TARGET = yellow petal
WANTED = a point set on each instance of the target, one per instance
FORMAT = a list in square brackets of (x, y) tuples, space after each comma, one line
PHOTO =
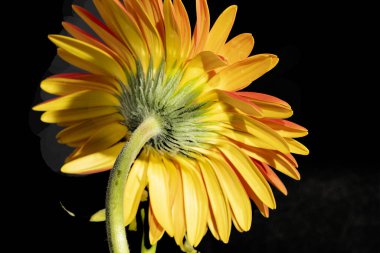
[(238, 48), (117, 18), (249, 172), (218, 204), (201, 64), (156, 231), (172, 35), (100, 61), (195, 201), (82, 35), (159, 192), (134, 188), (240, 103), (296, 147), (221, 29), (285, 128), (66, 84), (149, 31), (99, 216), (81, 99), (178, 211), (239, 75), (259, 204), (274, 159), (85, 129), (249, 125), (77, 114), (96, 162), (154, 9), (271, 176), (233, 189), (106, 35), (104, 138)]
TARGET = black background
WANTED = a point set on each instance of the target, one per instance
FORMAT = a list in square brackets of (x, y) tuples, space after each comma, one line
[(326, 72)]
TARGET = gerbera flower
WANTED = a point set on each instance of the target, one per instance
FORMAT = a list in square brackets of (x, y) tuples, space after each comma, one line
[(207, 148)]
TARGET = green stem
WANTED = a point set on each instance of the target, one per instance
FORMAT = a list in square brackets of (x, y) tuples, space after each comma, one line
[(153, 248), (117, 238)]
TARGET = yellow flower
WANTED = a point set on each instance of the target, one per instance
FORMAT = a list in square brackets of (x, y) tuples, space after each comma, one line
[(217, 146)]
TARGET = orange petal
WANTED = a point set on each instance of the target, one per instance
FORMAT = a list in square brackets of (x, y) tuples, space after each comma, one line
[(240, 102), (239, 75), (184, 27), (106, 35), (271, 176), (202, 26)]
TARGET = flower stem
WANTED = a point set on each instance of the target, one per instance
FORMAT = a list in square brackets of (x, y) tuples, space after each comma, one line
[(153, 248), (117, 238)]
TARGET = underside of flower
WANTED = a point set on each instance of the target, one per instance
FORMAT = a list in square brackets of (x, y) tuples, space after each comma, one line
[(160, 95), (162, 107)]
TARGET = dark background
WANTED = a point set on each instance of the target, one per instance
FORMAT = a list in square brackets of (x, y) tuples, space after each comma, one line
[(326, 72)]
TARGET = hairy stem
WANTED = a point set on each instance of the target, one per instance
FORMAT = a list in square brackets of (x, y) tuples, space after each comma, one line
[(117, 238)]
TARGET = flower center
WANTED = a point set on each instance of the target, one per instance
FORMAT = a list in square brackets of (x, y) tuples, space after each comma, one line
[(158, 94)]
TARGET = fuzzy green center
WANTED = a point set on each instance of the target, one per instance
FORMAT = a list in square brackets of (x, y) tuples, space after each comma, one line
[(158, 94)]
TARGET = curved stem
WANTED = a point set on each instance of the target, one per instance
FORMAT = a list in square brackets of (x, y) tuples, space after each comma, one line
[(117, 238)]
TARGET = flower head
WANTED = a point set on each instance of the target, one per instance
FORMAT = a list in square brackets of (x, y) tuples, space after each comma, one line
[(218, 147)]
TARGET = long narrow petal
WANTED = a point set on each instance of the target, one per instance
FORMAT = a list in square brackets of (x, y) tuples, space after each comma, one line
[(233, 189), (96, 162), (172, 36), (249, 172), (154, 9), (156, 231), (77, 114), (296, 147), (239, 75), (202, 26), (104, 138), (275, 159), (271, 176), (96, 57), (218, 204), (81, 99), (116, 17), (195, 200), (84, 36), (286, 128), (221, 29), (136, 182), (85, 129), (71, 83), (151, 35), (178, 211), (252, 126), (239, 102), (106, 35), (184, 27), (159, 192)]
